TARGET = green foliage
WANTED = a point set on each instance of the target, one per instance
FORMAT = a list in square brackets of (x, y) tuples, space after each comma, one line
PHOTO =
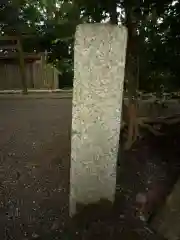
[(160, 51)]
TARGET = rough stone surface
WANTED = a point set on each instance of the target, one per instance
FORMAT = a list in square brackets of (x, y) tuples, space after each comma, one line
[(97, 99)]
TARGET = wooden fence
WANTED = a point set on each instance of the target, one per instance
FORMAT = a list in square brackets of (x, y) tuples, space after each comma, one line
[(39, 75)]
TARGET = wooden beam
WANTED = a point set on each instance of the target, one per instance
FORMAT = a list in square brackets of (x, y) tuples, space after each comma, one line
[(14, 55), (8, 38), (8, 47), (14, 38)]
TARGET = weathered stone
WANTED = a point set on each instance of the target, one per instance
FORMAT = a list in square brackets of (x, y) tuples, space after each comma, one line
[(97, 99)]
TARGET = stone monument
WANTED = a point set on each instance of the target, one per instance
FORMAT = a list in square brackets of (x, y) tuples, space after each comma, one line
[(99, 63)]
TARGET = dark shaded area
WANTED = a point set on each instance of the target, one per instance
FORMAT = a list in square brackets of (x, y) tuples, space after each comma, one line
[(65, 80)]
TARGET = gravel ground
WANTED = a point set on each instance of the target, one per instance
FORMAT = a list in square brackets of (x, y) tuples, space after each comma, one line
[(34, 176), (34, 169)]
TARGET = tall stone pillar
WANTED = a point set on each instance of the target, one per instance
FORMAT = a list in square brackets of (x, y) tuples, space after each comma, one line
[(99, 63)]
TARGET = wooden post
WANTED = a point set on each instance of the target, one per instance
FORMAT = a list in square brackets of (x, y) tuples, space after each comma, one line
[(22, 66), (31, 67)]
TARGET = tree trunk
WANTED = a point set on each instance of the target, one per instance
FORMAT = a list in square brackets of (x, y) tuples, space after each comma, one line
[(131, 75)]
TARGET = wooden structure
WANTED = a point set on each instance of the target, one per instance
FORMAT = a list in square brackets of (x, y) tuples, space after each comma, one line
[(19, 70)]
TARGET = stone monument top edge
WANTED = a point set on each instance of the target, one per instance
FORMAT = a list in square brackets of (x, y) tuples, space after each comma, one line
[(85, 25)]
